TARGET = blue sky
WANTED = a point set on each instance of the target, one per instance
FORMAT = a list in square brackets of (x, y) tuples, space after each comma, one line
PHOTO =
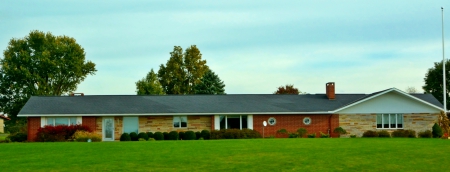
[(254, 46)]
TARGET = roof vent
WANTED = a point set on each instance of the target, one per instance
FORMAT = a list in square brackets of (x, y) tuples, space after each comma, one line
[(330, 90)]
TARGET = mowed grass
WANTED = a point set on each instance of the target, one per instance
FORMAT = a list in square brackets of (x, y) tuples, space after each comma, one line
[(361, 154)]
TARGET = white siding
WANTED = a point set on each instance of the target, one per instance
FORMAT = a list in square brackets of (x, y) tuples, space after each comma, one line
[(391, 102)]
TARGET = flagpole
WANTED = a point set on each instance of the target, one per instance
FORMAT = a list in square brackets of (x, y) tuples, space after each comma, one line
[(443, 63)]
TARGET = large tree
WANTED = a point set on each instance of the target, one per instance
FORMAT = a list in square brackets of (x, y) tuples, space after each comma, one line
[(149, 85), (210, 84), (434, 81), (288, 89), (40, 64), (182, 71)]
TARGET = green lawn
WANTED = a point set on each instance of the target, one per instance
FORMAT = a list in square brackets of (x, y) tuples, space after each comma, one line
[(361, 154)]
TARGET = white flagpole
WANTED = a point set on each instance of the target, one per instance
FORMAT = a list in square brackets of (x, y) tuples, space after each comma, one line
[(443, 63)]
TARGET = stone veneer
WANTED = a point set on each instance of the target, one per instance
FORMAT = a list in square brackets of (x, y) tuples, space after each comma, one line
[(158, 123), (118, 120), (165, 123), (357, 124)]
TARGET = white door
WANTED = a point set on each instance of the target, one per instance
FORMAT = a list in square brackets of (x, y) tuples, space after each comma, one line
[(108, 128)]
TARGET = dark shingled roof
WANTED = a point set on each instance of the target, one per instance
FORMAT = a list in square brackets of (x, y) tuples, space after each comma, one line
[(212, 104)]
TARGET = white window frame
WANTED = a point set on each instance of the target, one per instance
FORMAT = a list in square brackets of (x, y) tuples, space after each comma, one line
[(389, 121), (44, 120), (179, 121), (240, 121)]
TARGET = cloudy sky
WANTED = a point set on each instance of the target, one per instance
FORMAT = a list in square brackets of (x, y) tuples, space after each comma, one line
[(254, 46)]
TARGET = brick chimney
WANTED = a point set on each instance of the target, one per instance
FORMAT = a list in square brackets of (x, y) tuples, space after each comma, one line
[(330, 90), (74, 94)]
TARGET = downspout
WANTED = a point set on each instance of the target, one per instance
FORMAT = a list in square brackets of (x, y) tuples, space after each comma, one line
[(329, 125)]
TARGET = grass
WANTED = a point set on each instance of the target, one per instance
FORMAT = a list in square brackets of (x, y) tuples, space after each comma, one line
[(231, 155), (3, 136)]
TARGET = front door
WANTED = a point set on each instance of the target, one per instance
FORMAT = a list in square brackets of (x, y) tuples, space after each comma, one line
[(108, 129)]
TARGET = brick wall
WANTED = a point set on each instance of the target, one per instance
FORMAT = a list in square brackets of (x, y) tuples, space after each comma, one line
[(165, 123), (319, 123), (34, 123), (357, 124), (89, 121)]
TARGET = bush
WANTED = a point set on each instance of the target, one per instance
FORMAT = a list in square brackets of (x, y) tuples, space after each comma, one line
[(181, 135), (410, 133), (190, 135), (339, 130), (141, 139), (313, 135), (134, 136), (323, 135), (352, 136), (370, 133), (150, 135), (404, 133), (301, 132), (59, 133), (198, 134), (293, 135), (235, 134), (17, 128), (166, 135), (17, 137), (151, 139), (158, 136), (84, 136), (282, 131), (426, 134), (173, 135), (143, 135), (437, 131), (206, 134), (384, 133), (125, 137)]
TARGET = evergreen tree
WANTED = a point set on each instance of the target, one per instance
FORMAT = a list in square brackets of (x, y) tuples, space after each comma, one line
[(210, 84)]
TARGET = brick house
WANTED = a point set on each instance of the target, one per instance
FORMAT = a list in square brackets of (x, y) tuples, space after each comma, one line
[(110, 116)]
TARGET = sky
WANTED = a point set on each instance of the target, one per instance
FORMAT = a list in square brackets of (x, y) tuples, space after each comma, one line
[(253, 46)]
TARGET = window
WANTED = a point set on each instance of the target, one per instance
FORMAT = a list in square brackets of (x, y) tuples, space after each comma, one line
[(61, 121), (272, 121), (130, 124), (179, 121), (390, 121), (233, 121), (307, 120)]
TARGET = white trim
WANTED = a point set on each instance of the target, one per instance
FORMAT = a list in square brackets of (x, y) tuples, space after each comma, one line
[(179, 114), (382, 93), (43, 122), (79, 120), (216, 122), (250, 122), (103, 129)]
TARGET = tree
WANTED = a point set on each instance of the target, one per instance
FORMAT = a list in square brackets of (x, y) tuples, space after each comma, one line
[(149, 85), (433, 81), (288, 89), (40, 64), (182, 71), (210, 84), (411, 90)]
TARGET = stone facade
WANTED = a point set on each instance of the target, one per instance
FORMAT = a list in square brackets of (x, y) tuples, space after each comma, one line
[(118, 129), (155, 123), (357, 124), (165, 123), (2, 128)]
